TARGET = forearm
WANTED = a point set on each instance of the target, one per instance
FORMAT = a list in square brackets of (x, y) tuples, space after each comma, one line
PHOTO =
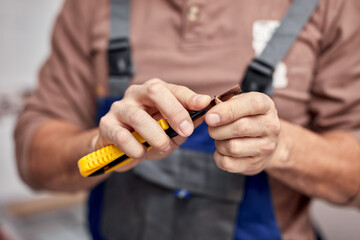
[(53, 155), (325, 166)]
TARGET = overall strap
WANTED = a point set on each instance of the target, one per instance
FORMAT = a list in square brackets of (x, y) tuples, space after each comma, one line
[(121, 68), (260, 71), (120, 73), (256, 206), (256, 218)]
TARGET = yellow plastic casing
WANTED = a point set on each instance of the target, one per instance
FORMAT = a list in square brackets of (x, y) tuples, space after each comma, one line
[(102, 157)]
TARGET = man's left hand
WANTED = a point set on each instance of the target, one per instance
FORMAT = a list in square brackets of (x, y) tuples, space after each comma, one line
[(246, 130)]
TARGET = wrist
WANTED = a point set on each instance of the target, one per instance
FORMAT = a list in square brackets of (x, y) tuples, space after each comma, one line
[(282, 154)]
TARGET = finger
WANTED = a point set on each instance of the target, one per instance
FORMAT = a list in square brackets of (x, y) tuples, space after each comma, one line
[(153, 89), (188, 98), (245, 147), (170, 107), (121, 137), (172, 102), (254, 126), (247, 165), (243, 105), (178, 140), (174, 144), (129, 165), (146, 126)]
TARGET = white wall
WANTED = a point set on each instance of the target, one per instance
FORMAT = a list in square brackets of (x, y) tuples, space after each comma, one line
[(337, 222), (25, 27)]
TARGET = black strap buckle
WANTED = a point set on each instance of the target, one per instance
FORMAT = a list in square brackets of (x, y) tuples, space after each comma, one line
[(258, 78), (119, 56)]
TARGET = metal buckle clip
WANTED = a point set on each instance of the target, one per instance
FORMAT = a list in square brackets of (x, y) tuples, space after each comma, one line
[(258, 78), (119, 56)]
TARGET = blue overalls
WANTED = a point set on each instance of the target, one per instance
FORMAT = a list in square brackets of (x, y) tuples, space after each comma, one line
[(255, 217)]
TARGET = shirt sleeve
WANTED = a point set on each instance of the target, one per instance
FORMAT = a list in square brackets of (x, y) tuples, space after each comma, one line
[(335, 103), (66, 81)]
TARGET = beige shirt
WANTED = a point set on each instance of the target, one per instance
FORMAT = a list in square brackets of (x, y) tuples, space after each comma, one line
[(207, 49)]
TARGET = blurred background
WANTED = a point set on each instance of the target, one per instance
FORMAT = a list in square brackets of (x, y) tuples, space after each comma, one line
[(25, 29)]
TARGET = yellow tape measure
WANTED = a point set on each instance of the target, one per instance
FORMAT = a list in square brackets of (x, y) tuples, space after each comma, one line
[(110, 157)]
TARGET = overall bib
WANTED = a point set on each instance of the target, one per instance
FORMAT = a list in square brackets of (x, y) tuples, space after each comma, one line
[(186, 196)]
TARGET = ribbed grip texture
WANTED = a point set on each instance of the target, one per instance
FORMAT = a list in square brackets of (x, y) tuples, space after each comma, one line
[(102, 157), (98, 159)]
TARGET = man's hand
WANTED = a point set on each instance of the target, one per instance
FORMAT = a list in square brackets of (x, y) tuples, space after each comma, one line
[(139, 111), (246, 129)]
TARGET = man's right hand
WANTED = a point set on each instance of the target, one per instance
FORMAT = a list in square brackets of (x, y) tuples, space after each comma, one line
[(139, 111)]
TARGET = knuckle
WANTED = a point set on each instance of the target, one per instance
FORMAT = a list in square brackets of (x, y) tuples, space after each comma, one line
[(139, 153), (162, 142), (254, 166), (259, 102), (275, 127), (241, 167), (253, 172), (121, 136), (154, 88), (230, 113), (131, 89), (255, 102), (226, 163), (104, 122), (227, 112), (254, 161), (237, 128), (115, 106), (178, 90), (219, 160), (211, 132), (153, 80), (266, 102), (219, 146), (178, 114), (258, 168), (136, 117), (232, 147), (272, 127), (241, 127), (268, 148), (183, 91)]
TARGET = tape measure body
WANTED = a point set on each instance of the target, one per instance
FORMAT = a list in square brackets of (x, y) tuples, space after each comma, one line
[(110, 157)]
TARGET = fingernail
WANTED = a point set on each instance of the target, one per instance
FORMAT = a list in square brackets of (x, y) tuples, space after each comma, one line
[(213, 119), (186, 128)]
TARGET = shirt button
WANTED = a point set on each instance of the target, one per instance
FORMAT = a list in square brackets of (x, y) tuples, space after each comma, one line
[(193, 13)]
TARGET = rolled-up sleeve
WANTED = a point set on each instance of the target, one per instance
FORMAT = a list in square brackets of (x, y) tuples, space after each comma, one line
[(335, 103), (66, 83)]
